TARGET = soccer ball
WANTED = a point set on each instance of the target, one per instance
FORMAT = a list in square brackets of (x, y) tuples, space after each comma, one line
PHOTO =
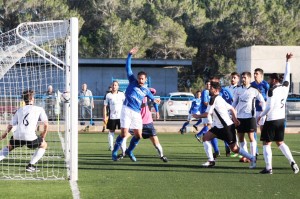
[(65, 97)]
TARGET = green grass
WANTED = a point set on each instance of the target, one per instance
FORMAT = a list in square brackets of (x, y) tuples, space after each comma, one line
[(181, 177)]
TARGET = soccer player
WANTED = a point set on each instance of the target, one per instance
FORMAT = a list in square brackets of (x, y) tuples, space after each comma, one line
[(263, 87), (195, 108), (114, 100), (130, 114), (86, 101), (107, 110), (244, 103), (207, 121), (273, 129), (148, 130), (26, 119), (223, 127)]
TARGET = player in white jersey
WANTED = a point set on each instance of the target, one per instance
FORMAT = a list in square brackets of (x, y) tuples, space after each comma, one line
[(244, 103), (273, 129), (222, 127), (114, 100), (26, 119)]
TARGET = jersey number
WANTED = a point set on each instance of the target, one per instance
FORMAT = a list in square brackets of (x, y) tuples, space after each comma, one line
[(25, 121), (282, 102)]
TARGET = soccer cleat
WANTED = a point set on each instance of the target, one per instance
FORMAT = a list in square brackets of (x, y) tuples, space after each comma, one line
[(131, 156), (181, 131), (195, 127), (164, 159), (209, 164), (295, 167), (120, 156), (266, 171), (253, 163), (244, 160), (198, 138), (32, 168), (110, 148), (234, 155), (215, 155)]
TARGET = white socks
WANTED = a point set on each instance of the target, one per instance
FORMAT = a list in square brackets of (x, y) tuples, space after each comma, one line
[(37, 155), (253, 146), (4, 153), (286, 152), (267, 151), (111, 140), (159, 150), (243, 145), (123, 146), (208, 150)]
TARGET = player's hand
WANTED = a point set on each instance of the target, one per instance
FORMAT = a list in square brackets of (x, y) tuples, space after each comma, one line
[(3, 136), (157, 115), (133, 51), (157, 101), (195, 116), (258, 119), (237, 122), (289, 56)]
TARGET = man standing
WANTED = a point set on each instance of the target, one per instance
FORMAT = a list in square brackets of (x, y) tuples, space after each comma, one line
[(50, 102), (263, 86), (114, 100), (130, 114), (244, 103), (223, 127), (86, 101), (273, 129), (26, 119)]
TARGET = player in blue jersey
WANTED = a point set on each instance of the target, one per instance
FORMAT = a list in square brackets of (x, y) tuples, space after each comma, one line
[(130, 114), (195, 109), (263, 86), (205, 98)]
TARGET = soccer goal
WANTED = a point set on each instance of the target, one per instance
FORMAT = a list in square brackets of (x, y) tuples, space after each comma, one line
[(39, 55)]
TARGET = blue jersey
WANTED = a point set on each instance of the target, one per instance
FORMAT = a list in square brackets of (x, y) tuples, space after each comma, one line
[(204, 99), (135, 93), (263, 87), (226, 94), (195, 107)]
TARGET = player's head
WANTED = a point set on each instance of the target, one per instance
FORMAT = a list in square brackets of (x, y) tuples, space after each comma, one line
[(207, 84), (274, 78), (115, 86), (258, 75), (50, 88), (198, 94), (235, 78), (152, 90), (84, 87), (28, 96), (215, 88), (142, 78), (215, 79), (246, 78)]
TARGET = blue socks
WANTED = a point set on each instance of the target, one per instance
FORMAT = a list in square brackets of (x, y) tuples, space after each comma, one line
[(185, 124), (214, 143), (198, 122), (117, 146), (133, 142), (203, 131)]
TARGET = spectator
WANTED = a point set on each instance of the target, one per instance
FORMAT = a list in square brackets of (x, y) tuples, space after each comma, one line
[(86, 102)]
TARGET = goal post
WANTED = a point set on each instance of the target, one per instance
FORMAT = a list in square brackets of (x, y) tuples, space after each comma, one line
[(37, 56)]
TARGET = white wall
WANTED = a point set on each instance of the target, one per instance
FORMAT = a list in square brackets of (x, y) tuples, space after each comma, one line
[(271, 59)]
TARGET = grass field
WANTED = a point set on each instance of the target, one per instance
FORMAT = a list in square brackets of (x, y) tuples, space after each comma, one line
[(181, 177)]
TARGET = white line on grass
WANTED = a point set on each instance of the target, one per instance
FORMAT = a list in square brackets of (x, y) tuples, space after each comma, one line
[(73, 184), (295, 151)]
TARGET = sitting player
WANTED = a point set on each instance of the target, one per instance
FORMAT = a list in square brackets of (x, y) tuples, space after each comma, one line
[(26, 119)]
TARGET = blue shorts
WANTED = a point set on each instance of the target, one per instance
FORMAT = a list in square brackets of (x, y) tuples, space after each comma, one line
[(147, 132)]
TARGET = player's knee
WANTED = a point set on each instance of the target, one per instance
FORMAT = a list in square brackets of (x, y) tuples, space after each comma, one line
[(44, 145)]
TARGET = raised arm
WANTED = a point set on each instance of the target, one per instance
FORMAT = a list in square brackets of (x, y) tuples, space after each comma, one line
[(287, 68), (128, 61)]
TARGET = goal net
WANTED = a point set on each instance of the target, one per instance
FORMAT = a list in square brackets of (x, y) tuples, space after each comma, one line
[(38, 56)]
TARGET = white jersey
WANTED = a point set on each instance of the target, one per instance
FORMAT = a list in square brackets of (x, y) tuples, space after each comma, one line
[(26, 119), (115, 102), (276, 99), (244, 101), (232, 89), (222, 107)]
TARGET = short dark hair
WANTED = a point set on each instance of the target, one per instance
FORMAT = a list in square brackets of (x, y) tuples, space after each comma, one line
[(142, 73), (27, 96), (235, 73), (115, 81), (214, 78), (246, 74), (274, 76), (259, 70), (215, 85), (207, 81), (198, 91)]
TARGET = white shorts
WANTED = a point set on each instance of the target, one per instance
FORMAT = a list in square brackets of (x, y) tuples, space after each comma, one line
[(131, 119), (207, 120), (262, 120), (190, 117)]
